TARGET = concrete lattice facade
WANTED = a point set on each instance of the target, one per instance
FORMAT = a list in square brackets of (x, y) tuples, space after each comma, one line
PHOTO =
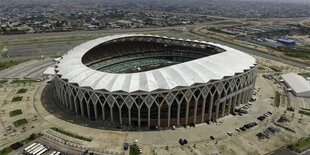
[(208, 87), (199, 101)]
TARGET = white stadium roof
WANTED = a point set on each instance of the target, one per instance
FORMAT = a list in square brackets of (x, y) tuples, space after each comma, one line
[(299, 85), (201, 70)]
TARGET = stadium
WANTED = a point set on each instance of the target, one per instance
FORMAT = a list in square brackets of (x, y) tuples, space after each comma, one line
[(149, 80)]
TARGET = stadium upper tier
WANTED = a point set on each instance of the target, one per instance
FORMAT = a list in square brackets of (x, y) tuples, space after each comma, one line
[(212, 62)]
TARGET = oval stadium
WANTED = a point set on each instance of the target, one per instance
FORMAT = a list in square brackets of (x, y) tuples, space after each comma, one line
[(136, 80)]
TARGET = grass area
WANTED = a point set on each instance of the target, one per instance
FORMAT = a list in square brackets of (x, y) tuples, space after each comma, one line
[(1, 47), (304, 112), (5, 65), (17, 98), (21, 91), (299, 145), (134, 150), (177, 31), (296, 51), (20, 122), (277, 99), (6, 151), (305, 75), (194, 38), (290, 109), (71, 135), (260, 68), (15, 112), (3, 81), (22, 81), (305, 109), (155, 32), (48, 41), (299, 30), (30, 139)]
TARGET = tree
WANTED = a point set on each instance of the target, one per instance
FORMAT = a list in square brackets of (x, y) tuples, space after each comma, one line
[(32, 136)]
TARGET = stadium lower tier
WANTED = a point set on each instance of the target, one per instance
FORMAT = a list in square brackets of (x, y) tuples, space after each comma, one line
[(179, 106)]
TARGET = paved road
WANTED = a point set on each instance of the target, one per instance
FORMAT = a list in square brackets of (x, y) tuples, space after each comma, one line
[(38, 49), (31, 69), (250, 51)]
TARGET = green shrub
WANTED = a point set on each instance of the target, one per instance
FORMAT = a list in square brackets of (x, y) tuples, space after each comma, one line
[(21, 91), (15, 112), (305, 109), (277, 99), (17, 98), (71, 135), (134, 150), (22, 81), (290, 109), (304, 112), (6, 151), (3, 81), (31, 138), (20, 122), (299, 145), (260, 68)]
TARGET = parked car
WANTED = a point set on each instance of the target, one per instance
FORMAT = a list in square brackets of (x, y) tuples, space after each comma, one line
[(135, 142), (261, 118), (237, 129), (229, 133), (212, 138), (183, 141), (173, 127), (260, 135), (126, 145)]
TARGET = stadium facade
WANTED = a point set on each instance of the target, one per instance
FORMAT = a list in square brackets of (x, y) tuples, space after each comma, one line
[(150, 80)]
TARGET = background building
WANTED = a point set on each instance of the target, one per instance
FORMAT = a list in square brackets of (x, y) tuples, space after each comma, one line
[(297, 84)]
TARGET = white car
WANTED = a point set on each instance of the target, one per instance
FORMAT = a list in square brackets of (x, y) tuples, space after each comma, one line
[(237, 129), (229, 133), (135, 142), (140, 151), (173, 127)]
